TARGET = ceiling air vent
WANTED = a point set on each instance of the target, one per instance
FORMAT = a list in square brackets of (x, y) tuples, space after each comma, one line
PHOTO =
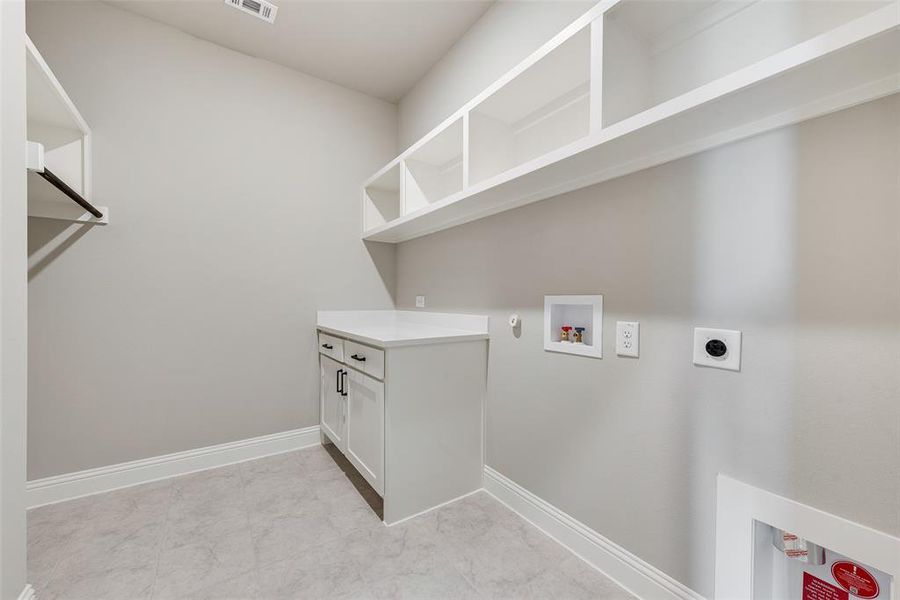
[(258, 8)]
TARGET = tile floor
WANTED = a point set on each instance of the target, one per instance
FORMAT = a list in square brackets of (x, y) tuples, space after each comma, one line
[(291, 526)]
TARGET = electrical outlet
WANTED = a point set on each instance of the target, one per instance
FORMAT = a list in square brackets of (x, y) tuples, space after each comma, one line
[(717, 348), (420, 301), (628, 338)]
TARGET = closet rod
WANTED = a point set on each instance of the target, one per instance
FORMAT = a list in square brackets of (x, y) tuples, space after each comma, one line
[(65, 189)]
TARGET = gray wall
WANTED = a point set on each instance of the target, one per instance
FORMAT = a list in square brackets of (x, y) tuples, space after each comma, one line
[(231, 182), (13, 299), (792, 237)]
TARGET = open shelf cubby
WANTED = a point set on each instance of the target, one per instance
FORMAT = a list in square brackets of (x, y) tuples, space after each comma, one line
[(574, 311), (434, 170), (636, 83), (544, 108), (381, 198), (656, 50)]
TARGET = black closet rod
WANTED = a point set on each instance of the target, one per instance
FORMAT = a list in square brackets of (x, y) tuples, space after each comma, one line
[(65, 189)]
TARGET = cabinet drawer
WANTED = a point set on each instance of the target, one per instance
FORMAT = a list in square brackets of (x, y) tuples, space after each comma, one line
[(331, 346), (365, 358)]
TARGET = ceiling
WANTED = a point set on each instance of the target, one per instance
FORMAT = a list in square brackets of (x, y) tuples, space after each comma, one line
[(379, 47)]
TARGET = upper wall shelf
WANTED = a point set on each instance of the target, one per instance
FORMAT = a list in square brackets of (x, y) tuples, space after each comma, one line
[(629, 85), (55, 123)]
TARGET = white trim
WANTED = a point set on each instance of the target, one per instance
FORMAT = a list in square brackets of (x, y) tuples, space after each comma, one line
[(635, 575), (739, 504), (27, 593), (59, 488)]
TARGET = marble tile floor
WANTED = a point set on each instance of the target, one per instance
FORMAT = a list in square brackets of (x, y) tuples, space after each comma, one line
[(291, 526)]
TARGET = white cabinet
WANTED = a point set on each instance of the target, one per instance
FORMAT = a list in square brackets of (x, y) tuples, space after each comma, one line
[(365, 428), (352, 407), (404, 404), (333, 405)]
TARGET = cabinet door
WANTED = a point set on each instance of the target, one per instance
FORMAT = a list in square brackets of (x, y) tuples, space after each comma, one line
[(365, 428), (332, 388)]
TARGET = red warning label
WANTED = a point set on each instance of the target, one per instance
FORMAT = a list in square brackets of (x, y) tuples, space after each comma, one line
[(855, 579), (817, 589)]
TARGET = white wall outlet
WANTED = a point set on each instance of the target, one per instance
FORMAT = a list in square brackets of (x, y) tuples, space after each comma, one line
[(628, 338), (420, 301), (717, 348)]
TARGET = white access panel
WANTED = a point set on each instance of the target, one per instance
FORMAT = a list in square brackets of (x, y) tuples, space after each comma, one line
[(740, 505)]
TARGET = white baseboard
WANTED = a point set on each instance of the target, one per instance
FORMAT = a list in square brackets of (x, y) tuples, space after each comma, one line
[(58, 488), (27, 593), (637, 576)]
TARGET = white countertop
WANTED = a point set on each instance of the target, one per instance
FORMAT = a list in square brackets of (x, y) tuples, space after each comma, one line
[(388, 328)]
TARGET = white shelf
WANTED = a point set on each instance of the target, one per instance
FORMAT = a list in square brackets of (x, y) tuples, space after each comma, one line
[(54, 121), (546, 107), (434, 170), (611, 95), (381, 197), (655, 51)]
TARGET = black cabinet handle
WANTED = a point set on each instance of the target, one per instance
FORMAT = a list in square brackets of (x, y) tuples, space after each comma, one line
[(359, 358), (343, 383), (328, 346), (337, 381)]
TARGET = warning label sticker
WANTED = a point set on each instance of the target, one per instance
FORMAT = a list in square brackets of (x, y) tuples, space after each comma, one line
[(817, 589), (855, 579)]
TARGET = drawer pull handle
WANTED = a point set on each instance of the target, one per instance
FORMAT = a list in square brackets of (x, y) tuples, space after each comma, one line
[(359, 358), (337, 381), (343, 382), (328, 346)]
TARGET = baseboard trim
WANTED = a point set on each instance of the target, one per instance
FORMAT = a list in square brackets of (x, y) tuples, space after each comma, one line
[(59, 488), (27, 593), (637, 576)]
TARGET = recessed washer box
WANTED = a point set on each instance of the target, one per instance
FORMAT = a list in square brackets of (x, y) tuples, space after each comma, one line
[(585, 311)]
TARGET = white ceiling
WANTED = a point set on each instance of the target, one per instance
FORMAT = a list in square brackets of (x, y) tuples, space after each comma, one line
[(380, 47)]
